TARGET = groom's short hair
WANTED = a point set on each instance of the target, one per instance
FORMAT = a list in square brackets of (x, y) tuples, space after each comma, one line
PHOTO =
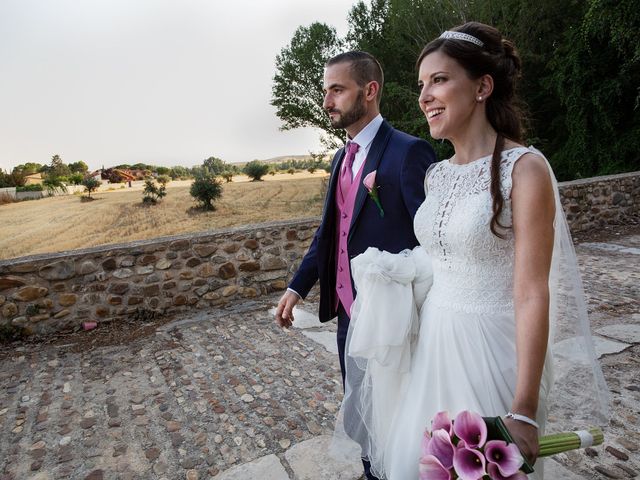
[(364, 68)]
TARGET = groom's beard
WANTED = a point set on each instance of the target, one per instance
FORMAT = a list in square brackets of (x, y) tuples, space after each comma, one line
[(351, 116)]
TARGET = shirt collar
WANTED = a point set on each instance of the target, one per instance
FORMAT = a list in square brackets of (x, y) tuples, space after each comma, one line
[(368, 133)]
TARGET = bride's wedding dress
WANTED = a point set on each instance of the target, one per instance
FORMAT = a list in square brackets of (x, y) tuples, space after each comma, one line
[(458, 351)]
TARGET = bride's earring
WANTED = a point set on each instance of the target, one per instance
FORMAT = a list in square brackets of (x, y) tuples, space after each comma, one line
[(479, 99)]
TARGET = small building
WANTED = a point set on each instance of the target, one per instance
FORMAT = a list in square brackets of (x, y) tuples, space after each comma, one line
[(33, 179)]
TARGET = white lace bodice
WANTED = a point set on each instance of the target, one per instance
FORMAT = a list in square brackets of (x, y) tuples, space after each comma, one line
[(472, 268)]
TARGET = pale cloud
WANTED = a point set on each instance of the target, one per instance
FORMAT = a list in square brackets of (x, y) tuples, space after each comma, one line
[(154, 81)]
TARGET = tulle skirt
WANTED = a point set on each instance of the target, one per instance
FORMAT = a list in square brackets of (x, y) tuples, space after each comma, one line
[(462, 361)]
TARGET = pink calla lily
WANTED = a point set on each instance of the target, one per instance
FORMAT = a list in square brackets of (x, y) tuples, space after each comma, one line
[(494, 474), (426, 439), (505, 456), (469, 464), (470, 427), (441, 420), (441, 447), (370, 181), (430, 468)]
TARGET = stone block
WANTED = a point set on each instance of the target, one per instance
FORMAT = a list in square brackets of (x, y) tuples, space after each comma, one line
[(109, 264), (227, 270), (134, 300), (193, 262), (19, 321), (86, 267), (311, 459), (205, 250), (9, 310), (229, 290), (207, 270), (23, 268), (251, 244), (163, 264), (11, 282), (180, 300), (67, 299), (151, 290), (265, 468), (250, 292), (188, 275), (122, 273), (30, 293), (144, 270), (269, 262), (118, 288), (61, 270), (114, 300), (147, 259), (62, 314), (242, 257), (179, 245), (231, 247), (249, 266)]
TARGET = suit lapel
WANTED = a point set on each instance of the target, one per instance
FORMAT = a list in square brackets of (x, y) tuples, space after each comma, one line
[(329, 201), (371, 163)]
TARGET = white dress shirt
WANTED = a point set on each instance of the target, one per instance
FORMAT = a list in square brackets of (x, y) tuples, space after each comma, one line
[(364, 139)]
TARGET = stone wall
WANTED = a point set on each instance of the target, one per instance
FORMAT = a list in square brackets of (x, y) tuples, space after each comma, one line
[(53, 292), (594, 202)]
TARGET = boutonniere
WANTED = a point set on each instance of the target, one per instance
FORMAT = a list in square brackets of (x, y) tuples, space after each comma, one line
[(370, 184)]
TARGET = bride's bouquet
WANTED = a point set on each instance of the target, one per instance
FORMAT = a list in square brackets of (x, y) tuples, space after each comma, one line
[(472, 448)]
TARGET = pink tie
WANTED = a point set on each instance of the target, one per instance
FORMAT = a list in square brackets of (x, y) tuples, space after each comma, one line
[(346, 177)]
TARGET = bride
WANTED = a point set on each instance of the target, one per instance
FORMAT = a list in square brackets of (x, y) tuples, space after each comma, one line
[(499, 251)]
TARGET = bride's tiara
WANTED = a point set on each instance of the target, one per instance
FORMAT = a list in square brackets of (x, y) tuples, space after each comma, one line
[(462, 36)]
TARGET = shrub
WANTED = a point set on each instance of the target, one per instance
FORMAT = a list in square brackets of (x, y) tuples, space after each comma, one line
[(256, 170), (228, 176), (91, 184), (153, 193), (163, 180), (35, 187), (291, 171), (206, 188)]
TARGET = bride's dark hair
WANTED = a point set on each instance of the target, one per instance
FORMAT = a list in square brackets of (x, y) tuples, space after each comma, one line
[(498, 58)]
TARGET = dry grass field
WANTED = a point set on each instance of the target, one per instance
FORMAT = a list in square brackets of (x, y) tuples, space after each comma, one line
[(65, 223)]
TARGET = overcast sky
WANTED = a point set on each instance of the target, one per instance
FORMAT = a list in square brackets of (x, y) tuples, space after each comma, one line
[(166, 82)]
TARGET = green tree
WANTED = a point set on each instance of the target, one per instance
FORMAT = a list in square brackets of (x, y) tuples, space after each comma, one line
[(297, 85), (28, 168), (256, 170), (596, 75), (206, 189), (91, 184), (58, 168), (214, 165), (153, 193), (53, 184), (163, 170), (75, 178), (78, 167), (179, 172)]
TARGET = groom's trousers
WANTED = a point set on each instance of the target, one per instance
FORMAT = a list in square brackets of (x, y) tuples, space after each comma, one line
[(341, 337)]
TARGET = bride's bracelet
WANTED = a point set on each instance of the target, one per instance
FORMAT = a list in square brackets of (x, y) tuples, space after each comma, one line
[(522, 418)]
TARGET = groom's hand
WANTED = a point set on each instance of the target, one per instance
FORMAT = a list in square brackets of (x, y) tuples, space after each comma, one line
[(284, 312)]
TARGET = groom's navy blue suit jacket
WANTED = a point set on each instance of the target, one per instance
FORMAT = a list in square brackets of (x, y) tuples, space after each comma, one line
[(400, 162)]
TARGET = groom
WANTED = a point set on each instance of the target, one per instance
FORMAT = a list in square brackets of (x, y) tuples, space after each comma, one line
[(351, 220)]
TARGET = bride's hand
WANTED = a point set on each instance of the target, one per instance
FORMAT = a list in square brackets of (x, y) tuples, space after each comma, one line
[(526, 437)]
